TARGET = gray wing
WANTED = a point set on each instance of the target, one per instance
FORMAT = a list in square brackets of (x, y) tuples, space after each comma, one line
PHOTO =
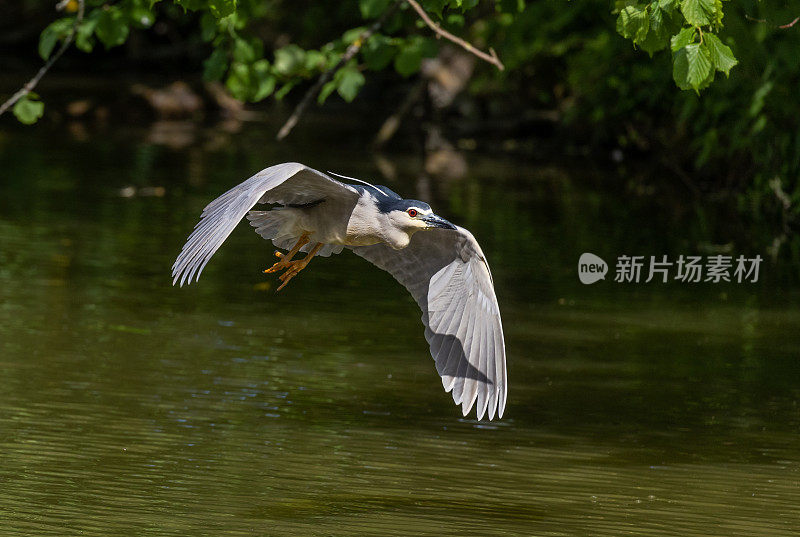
[(285, 183), (447, 274)]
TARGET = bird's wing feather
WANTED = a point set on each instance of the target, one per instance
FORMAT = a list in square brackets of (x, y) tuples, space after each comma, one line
[(447, 274), (288, 183)]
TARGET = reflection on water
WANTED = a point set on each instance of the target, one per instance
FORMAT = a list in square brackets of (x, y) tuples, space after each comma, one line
[(130, 407)]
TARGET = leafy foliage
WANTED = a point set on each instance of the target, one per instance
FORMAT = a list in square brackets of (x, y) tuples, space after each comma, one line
[(52, 34), (28, 109), (112, 27), (238, 57), (410, 54), (687, 27)]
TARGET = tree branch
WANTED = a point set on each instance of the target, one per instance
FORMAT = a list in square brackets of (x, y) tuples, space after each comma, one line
[(765, 21), (491, 57), (27, 88), (327, 75)]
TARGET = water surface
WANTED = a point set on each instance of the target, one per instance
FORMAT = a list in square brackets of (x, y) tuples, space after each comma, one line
[(130, 407)]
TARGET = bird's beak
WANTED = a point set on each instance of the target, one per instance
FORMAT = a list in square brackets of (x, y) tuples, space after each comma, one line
[(437, 221)]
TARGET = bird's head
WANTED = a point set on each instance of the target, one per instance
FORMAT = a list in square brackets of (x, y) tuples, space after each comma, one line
[(413, 215)]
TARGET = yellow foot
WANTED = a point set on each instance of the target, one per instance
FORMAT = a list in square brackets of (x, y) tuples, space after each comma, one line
[(294, 267), (285, 260), (280, 265)]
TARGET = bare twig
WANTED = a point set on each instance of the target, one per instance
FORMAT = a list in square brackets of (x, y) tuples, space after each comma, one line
[(765, 21), (491, 57), (327, 75), (27, 88), (753, 19)]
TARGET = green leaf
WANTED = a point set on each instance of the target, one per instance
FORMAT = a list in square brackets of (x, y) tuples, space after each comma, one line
[(112, 29), (290, 59), (685, 37), (658, 36), (721, 54), (264, 80), (27, 110), (247, 51), (350, 81), (454, 19), (692, 67), (700, 65), (760, 98), (759, 125), (286, 88), (208, 27), (56, 30), (47, 42), (350, 36), (332, 59), (633, 23), (139, 15), (718, 13), (252, 82), (408, 61), (372, 8), (215, 65), (239, 82), (84, 37), (221, 8), (435, 7), (378, 52), (315, 60), (698, 12), (326, 90), (668, 5)]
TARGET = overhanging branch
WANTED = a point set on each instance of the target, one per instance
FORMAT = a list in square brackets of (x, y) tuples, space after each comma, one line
[(327, 75), (491, 57), (31, 84)]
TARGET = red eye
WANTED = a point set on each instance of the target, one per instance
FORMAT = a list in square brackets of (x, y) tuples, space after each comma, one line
[(412, 213)]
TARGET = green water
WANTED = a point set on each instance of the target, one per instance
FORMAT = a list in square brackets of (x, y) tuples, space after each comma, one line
[(129, 407)]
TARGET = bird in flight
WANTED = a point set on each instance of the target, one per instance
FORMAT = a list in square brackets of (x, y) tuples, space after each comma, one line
[(439, 263)]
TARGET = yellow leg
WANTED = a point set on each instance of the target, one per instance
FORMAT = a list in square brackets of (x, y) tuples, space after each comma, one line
[(286, 260), (296, 266)]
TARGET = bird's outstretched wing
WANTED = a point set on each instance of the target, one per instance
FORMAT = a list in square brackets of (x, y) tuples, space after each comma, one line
[(288, 183), (447, 274)]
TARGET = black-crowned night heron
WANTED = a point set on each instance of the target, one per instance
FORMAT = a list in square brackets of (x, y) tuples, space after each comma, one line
[(442, 267)]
